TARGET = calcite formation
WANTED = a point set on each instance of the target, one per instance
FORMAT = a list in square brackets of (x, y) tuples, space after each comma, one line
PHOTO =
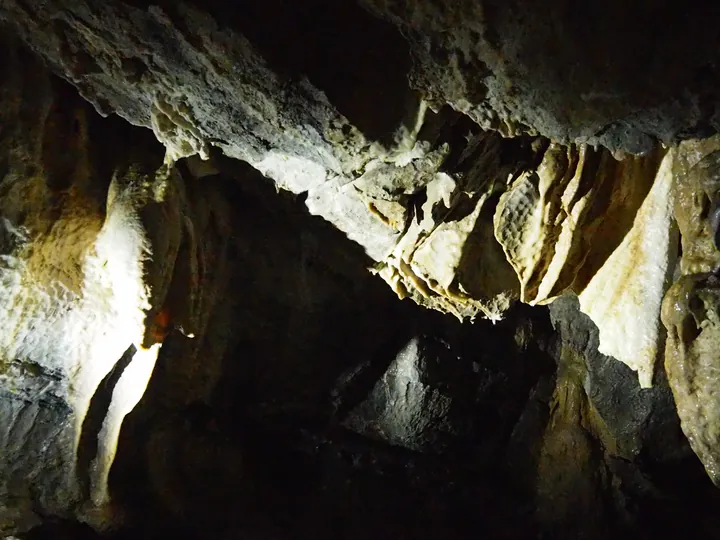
[(496, 173), (73, 296), (586, 223), (442, 221), (690, 306), (209, 87), (100, 261), (690, 315), (578, 221)]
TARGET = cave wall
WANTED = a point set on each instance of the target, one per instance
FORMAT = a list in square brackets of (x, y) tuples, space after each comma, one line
[(438, 195), (451, 155), (70, 307)]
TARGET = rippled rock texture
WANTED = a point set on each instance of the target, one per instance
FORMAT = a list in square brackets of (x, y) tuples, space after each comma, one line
[(172, 311), (690, 306), (442, 205), (95, 246)]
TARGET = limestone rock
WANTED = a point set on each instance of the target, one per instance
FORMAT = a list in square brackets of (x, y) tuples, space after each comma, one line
[(512, 167), (625, 295), (416, 401), (635, 419), (423, 209), (691, 364), (197, 84), (537, 219), (51, 235), (695, 172), (424, 265), (572, 477), (447, 257), (690, 306), (103, 255), (587, 223), (543, 68)]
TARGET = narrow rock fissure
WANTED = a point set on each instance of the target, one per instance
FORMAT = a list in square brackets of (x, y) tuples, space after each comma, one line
[(99, 405)]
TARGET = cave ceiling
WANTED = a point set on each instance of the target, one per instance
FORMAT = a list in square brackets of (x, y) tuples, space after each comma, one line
[(179, 181)]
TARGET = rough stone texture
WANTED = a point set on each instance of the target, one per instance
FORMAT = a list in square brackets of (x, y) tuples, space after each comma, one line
[(265, 324), (582, 221), (598, 422), (559, 222), (433, 205), (102, 258), (26, 424), (447, 257), (52, 218), (690, 306), (695, 186), (440, 393), (198, 83), (691, 363), (635, 418), (412, 405), (420, 194), (624, 296), (619, 74), (572, 476)]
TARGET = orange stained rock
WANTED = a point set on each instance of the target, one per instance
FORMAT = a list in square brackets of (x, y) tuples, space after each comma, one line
[(161, 325)]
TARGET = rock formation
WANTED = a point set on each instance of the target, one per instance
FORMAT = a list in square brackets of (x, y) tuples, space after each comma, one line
[(208, 214)]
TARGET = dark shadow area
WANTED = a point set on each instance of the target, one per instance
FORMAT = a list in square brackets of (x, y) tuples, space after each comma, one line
[(63, 156), (265, 455), (61, 530), (359, 61), (87, 155), (685, 503)]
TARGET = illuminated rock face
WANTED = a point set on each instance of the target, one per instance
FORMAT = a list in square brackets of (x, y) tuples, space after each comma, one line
[(690, 306), (476, 172), (73, 302), (583, 222), (73, 298), (436, 205)]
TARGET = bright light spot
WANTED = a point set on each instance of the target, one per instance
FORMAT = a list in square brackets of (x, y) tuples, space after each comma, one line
[(292, 173), (73, 301), (127, 394)]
